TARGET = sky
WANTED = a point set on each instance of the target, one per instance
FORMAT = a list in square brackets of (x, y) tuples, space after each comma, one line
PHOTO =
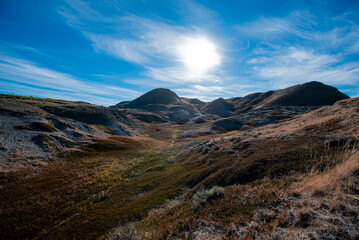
[(108, 51)]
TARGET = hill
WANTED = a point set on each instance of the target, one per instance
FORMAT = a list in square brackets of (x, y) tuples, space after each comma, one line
[(312, 94), (160, 96), (218, 107), (35, 130)]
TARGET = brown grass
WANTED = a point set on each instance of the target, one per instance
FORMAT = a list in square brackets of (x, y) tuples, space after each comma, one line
[(339, 178)]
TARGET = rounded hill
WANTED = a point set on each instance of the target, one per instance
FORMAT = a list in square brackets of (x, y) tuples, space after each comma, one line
[(219, 107), (157, 96)]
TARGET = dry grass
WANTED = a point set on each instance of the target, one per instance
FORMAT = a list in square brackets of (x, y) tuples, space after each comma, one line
[(335, 180), (42, 126), (277, 206), (270, 190), (89, 192)]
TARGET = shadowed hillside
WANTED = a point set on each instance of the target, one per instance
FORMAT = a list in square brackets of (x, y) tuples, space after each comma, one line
[(154, 98), (219, 107), (307, 94)]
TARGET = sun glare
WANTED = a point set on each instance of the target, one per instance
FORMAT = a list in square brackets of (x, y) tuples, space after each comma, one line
[(199, 54)]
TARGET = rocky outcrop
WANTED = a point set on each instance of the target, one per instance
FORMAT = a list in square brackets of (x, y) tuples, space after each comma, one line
[(32, 132)]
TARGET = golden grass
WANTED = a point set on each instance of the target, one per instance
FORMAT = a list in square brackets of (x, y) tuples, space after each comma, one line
[(336, 179)]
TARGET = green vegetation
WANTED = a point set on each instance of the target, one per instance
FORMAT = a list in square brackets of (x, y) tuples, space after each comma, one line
[(104, 129), (118, 181), (20, 97), (238, 207), (203, 196), (91, 191), (149, 132)]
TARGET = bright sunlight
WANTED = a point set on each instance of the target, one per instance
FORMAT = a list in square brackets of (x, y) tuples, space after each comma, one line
[(199, 54)]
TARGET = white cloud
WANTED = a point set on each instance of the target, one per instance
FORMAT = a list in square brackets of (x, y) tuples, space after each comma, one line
[(297, 23), (132, 51), (292, 65), (152, 44), (203, 92), (293, 49), (279, 51), (26, 72)]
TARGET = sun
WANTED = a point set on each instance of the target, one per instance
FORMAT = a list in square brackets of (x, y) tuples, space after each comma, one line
[(199, 54)]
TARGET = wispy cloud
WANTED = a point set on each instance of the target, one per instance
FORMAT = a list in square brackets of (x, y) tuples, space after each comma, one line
[(204, 92), (291, 65), (20, 71), (209, 92), (150, 43), (293, 49), (297, 23), (280, 51), (304, 27)]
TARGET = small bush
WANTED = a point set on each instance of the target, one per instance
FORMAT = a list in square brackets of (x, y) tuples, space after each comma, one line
[(124, 232), (203, 196), (171, 160), (100, 196)]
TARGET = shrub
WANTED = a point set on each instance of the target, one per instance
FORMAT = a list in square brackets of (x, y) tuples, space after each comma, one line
[(100, 196), (171, 160), (202, 196), (124, 232)]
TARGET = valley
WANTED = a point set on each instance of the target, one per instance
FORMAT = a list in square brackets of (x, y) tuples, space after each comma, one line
[(277, 165)]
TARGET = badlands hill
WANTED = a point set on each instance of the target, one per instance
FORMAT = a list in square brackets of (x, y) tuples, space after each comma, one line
[(219, 107), (35, 130), (307, 94), (152, 100)]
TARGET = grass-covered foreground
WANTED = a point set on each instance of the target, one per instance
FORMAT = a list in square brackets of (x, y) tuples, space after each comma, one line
[(82, 197), (235, 188)]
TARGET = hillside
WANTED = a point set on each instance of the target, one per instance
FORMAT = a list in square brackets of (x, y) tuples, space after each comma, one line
[(158, 96), (218, 107), (309, 94), (34, 131), (41, 128), (277, 165)]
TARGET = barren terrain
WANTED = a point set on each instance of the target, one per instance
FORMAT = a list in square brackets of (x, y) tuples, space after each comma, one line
[(259, 167)]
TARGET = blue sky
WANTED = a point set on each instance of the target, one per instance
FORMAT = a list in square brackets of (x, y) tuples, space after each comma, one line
[(107, 51)]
